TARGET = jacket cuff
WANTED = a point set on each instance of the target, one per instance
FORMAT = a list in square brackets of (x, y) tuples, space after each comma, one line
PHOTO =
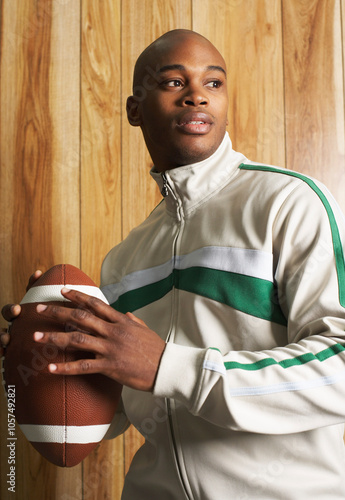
[(179, 373)]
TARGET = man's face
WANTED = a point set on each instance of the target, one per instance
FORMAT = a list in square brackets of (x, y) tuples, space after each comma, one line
[(183, 116)]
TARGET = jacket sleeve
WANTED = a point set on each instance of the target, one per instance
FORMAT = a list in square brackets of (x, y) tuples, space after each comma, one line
[(292, 388)]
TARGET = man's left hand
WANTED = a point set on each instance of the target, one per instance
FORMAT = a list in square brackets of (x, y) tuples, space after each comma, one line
[(125, 348)]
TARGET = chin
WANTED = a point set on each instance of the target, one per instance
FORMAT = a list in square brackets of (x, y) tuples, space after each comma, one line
[(195, 151)]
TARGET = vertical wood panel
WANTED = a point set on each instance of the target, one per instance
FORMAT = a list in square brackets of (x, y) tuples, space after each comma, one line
[(142, 23), (101, 189), (248, 35), (100, 132), (314, 91), (39, 103)]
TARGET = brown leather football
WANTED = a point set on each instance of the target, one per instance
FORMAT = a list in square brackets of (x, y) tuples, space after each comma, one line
[(64, 417)]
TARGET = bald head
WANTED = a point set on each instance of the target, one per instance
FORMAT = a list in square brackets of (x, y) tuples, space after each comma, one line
[(166, 43), (179, 99)]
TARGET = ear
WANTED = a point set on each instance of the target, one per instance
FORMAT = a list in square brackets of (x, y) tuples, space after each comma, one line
[(132, 108)]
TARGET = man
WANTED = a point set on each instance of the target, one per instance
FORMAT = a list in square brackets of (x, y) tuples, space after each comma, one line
[(237, 381)]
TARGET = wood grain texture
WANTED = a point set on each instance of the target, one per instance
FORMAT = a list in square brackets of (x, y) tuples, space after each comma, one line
[(248, 35), (100, 132), (314, 91), (64, 105), (101, 217), (39, 103)]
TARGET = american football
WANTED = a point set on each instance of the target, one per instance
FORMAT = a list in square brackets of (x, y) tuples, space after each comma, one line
[(63, 417)]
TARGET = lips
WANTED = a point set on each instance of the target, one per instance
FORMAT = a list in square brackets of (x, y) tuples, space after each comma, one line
[(195, 123)]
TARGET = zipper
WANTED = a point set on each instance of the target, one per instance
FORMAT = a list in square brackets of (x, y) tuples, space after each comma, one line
[(164, 190), (173, 440)]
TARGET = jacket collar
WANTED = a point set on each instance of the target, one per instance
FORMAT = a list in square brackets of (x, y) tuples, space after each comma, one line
[(189, 186)]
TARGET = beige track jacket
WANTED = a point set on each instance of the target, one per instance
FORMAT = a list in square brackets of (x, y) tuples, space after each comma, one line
[(241, 270)]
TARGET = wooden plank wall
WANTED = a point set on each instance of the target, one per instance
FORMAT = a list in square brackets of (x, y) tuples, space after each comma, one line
[(74, 175)]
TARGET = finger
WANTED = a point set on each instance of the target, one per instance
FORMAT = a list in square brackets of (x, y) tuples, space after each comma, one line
[(10, 311), (34, 277), (72, 340), (75, 318), (135, 318), (93, 304), (4, 339), (80, 367)]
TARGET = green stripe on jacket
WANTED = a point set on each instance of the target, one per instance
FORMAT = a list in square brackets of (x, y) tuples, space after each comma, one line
[(253, 296), (337, 244)]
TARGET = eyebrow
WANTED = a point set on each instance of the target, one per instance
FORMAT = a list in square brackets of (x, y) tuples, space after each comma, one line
[(180, 67)]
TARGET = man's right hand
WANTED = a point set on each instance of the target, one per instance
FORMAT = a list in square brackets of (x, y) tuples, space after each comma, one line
[(11, 312)]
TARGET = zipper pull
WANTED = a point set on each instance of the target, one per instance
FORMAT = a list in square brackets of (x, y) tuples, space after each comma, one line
[(164, 191)]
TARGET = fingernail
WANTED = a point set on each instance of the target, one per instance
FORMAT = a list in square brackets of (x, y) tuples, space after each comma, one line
[(65, 290), (52, 367), (38, 335), (41, 308)]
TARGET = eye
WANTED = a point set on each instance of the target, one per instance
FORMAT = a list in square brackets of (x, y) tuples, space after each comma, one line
[(214, 84), (172, 83)]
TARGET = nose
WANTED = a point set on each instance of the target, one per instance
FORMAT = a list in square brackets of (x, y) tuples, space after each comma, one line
[(195, 97)]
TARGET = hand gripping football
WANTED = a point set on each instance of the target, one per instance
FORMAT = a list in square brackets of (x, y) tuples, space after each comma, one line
[(64, 417)]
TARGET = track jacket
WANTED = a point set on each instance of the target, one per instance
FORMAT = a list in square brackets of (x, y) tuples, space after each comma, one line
[(241, 270)]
